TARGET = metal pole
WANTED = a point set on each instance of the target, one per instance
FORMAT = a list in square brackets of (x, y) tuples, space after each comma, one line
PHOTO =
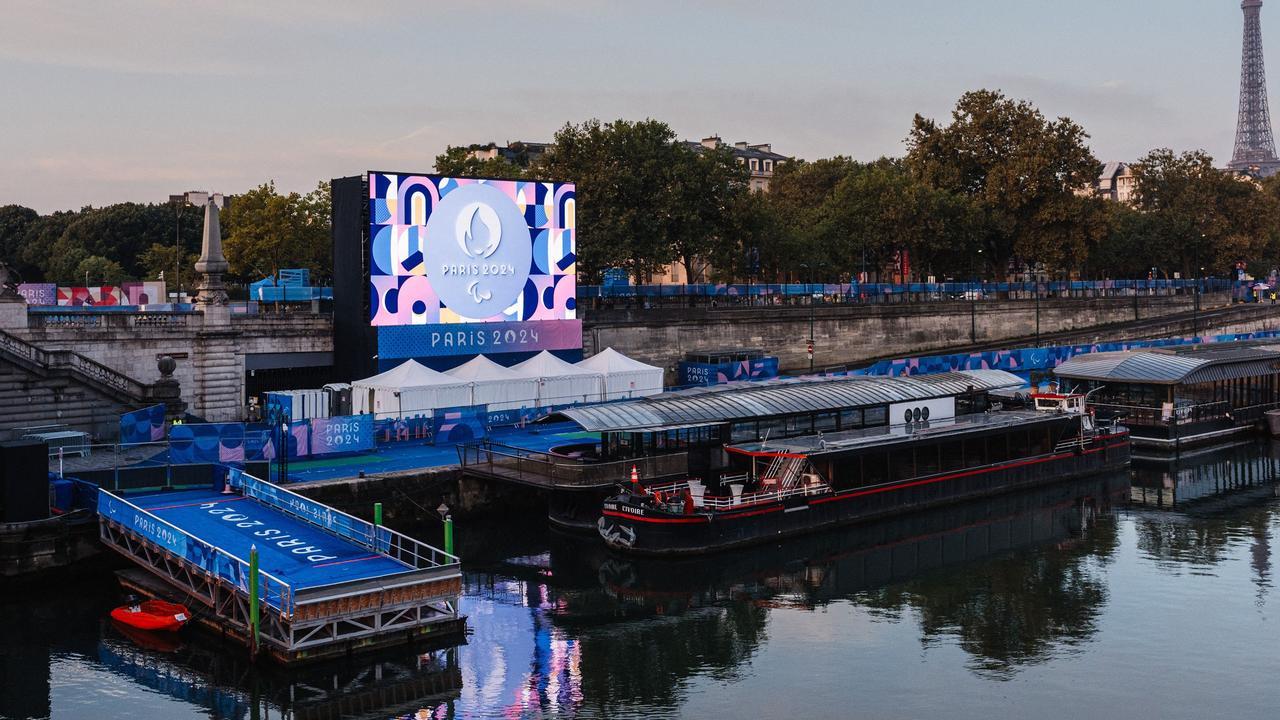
[(448, 534), (177, 252), (377, 513), (253, 598)]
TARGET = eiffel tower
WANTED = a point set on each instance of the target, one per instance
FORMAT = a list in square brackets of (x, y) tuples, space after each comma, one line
[(1255, 152)]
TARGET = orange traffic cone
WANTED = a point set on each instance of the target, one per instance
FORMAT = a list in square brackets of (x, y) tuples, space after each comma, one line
[(635, 477)]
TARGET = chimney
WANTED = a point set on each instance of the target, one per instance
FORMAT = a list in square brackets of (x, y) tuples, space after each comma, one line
[(766, 147), (740, 145), (711, 143)]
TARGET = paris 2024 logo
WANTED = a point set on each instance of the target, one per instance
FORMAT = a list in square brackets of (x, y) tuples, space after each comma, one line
[(478, 251)]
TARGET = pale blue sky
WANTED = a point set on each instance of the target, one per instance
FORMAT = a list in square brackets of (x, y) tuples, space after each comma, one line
[(134, 99)]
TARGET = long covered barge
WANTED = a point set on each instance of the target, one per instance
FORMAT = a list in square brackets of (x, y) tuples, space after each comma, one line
[(930, 456)]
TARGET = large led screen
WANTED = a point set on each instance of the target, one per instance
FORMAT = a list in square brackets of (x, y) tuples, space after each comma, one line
[(460, 265)]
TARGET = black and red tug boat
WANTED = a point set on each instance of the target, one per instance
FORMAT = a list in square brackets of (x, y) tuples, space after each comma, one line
[(802, 484)]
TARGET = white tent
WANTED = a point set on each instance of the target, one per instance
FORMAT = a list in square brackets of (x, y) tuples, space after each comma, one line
[(499, 387), (624, 377), (408, 389), (561, 382)]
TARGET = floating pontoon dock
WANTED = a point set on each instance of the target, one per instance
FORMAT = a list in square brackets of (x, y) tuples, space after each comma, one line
[(328, 583)]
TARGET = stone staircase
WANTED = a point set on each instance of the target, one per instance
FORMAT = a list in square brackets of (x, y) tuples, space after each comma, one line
[(63, 387)]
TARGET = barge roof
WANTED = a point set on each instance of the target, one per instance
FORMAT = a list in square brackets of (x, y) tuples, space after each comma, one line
[(1175, 366), (715, 404), (846, 440)]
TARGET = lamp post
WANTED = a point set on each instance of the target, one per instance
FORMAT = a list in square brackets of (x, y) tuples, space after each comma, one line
[(448, 527), (177, 201), (809, 275)]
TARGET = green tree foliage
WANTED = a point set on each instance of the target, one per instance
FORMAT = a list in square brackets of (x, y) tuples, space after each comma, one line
[(643, 199), (96, 270), (264, 231), (15, 220), (1020, 170), (158, 262), (1203, 220), (458, 162)]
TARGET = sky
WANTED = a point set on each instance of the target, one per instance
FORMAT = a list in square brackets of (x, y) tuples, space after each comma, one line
[(133, 100)]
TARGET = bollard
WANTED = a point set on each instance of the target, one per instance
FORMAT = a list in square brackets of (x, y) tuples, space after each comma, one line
[(377, 514), (448, 534), (253, 598)]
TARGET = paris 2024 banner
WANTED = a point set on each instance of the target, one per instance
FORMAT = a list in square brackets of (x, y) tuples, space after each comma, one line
[(461, 266)]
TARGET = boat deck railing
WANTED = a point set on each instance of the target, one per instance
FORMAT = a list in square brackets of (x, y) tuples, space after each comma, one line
[(377, 538), (728, 502)]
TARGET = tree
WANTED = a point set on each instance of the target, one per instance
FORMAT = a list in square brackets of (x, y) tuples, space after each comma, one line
[(15, 220), (96, 270), (459, 162), (264, 231), (706, 189), (1204, 220), (623, 175), (158, 261), (1017, 167), (797, 191)]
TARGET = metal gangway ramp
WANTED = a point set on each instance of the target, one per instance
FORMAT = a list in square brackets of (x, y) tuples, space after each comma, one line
[(328, 583)]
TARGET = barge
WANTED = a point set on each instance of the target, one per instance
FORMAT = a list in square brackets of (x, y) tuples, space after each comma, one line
[(803, 484), (1177, 397)]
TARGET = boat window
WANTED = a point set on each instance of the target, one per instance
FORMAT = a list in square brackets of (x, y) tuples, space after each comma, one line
[(952, 455), (743, 431), (1018, 444), (998, 448), (927, 462), (825, 422), (975, 452), (875, 468), (799, 424), (849, 472), (1043, 439), (875, 416), (773, 428), (850, 419), (902, 466)]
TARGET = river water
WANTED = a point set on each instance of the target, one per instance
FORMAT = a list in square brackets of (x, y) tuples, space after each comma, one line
[(1147, 594)]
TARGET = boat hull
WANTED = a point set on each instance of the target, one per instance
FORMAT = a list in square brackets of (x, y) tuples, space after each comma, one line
[(635, 527)]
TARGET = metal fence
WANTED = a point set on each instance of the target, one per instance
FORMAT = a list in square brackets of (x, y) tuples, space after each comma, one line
[(606, 296)]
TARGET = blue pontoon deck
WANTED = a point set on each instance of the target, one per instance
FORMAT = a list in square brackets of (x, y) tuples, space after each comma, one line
[(328, 582)]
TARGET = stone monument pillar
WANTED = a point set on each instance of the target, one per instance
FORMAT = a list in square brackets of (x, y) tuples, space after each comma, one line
[(216, 359), (211, 294)]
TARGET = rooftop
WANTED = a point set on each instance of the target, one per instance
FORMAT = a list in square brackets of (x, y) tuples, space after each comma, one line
[(1176, 365), (888, 434), (767, 398)]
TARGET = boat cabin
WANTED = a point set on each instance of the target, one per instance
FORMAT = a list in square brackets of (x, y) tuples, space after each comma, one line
[(1178, 396), (703, 421)]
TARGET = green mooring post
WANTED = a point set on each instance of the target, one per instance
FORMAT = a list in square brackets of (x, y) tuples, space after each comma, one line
[(377, 514), (253, 598), (448, 534)]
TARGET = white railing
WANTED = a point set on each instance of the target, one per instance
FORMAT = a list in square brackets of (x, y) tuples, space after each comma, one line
[(728, 502), (377, 538)]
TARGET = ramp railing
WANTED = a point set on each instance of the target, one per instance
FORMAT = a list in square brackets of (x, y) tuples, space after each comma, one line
[(377, 538), (187, 548)]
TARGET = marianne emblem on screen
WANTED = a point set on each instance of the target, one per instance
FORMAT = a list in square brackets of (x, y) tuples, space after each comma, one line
[(478, 251)]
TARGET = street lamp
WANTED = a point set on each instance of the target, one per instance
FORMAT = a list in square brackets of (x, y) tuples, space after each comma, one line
[(809, 290), (177, 201)]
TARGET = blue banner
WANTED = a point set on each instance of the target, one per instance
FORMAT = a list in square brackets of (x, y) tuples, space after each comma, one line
[(461, 424), (348, 433), (143, 523), (692, 373), (142, 426)]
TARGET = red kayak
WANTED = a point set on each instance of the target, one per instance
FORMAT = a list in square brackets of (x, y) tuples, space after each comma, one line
[(152, 615)]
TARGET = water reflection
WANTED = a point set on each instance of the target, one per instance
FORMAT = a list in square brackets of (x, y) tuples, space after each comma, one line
[(985, 591)]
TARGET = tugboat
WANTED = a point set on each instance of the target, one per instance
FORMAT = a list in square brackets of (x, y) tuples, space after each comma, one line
[(802, 484)]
